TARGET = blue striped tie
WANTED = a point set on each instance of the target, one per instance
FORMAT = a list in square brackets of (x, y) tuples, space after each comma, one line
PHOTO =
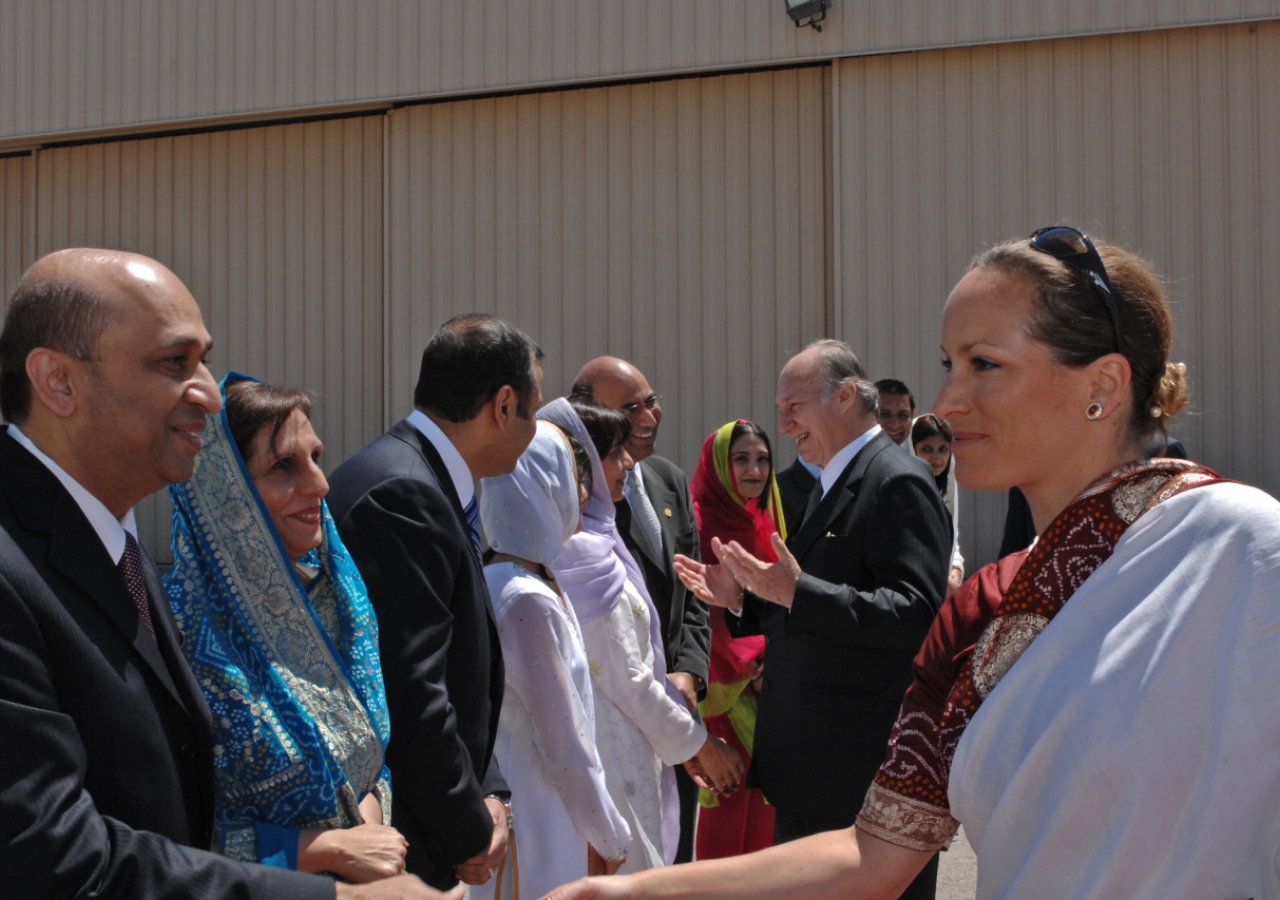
[(473, 523)]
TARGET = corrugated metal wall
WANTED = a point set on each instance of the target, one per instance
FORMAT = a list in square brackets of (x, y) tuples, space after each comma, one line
[(17, 219), (72, 65), (1165, 142), (278, 234), (678, 224), (697, 226)]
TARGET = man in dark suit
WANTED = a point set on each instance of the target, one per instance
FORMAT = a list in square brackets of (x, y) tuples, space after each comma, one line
[(657, 521), (794, 484), (106, 764), (405, 506), (846, 606)]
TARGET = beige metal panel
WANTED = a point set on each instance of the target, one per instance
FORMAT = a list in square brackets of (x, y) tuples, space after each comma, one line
[(17, 221), (69, 66), (277, 232), (1162, 141), (678, 224)]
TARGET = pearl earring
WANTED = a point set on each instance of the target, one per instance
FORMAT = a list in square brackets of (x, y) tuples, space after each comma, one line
[(1093, 411)]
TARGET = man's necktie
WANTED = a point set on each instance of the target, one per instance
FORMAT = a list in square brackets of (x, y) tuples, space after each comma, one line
[(131, 569), (639, 501), (473, 523), (815, 498)]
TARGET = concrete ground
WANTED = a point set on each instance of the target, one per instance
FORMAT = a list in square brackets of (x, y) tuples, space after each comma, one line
[(958, 871)]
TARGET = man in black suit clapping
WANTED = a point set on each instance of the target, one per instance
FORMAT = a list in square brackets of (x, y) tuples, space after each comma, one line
[(846, 606), (405, 506)]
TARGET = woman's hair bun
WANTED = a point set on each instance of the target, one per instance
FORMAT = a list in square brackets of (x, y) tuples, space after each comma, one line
[(1171, 392)]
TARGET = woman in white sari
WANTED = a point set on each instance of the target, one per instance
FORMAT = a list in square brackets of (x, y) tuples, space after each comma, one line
[(1095, 710), (567, 824)]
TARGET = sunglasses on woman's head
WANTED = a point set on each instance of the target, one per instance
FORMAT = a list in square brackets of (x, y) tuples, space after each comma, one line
[(1072, 247)]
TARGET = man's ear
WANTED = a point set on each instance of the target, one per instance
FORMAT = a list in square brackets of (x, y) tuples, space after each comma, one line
[(55, 377), (505, 402), (1111, 375)]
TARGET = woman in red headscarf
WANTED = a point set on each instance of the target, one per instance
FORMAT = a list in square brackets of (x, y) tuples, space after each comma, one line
[(735, 499)]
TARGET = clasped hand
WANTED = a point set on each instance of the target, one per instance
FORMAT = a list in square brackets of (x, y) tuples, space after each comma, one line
[(722, 584)]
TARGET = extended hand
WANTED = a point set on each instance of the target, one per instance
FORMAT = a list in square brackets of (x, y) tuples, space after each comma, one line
[(615, 888), (360, 855), (687, 687), (405, 887), (480, 868), (718, 764), (710, 583), (775, 582)]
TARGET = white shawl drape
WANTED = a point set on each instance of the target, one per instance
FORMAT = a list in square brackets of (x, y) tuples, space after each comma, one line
[(1134, 750)]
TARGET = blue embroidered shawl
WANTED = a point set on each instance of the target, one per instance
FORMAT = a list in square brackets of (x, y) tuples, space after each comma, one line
[(292, 676)]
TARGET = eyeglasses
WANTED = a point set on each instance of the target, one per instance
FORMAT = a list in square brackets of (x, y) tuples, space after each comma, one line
[(633, 409), (1073, 247)]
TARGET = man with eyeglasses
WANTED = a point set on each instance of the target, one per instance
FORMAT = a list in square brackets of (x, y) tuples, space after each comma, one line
[(657, 521), (897, 409)]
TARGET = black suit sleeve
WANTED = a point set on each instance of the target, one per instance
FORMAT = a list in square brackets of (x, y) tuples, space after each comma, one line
[(53, 841), (692, 652), (908, 550), (398, 536)]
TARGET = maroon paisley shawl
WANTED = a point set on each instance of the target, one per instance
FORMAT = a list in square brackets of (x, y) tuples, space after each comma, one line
[(982, 631)]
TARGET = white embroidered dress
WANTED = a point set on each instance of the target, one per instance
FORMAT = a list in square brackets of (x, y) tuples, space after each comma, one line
[(640, 725), (546, 737)]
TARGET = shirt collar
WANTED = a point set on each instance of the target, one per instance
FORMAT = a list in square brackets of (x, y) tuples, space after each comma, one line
[(838, 463), (110, 530), (637, 476), (459, 471)]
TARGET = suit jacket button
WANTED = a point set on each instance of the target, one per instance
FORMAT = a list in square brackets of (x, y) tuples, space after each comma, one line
[(187, 752)]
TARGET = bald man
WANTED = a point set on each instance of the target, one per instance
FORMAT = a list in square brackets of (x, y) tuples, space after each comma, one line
[(107, 758), (657, 521)]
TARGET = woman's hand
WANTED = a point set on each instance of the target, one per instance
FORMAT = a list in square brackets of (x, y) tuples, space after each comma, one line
[(598, 865), (718, 764), (954, 580), (403, 887), (592, 889), (360, 855)]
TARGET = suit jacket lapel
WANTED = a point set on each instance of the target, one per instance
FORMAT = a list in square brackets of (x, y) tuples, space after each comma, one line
[(842, 493), (43, 505)]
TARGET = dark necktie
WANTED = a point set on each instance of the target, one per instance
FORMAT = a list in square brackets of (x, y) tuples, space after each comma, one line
[(815, 498), (131, 569), (473, 523)]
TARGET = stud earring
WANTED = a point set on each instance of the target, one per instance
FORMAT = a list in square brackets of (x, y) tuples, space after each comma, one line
[(1093, 411), (1156, 412)]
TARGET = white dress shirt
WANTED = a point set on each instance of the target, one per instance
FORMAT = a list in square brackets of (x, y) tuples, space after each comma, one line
[(110, 529), (838, 463), (459, 471)]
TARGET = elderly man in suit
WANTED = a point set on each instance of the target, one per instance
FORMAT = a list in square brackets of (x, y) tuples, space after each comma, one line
[(657, 521), (106, 764), (405, 506), (846, 606)]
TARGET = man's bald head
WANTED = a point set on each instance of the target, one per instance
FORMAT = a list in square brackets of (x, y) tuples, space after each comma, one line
[(616, 383), (65, 301)]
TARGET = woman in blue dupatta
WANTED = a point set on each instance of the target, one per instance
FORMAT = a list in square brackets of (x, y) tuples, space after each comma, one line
[(282, 639)]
